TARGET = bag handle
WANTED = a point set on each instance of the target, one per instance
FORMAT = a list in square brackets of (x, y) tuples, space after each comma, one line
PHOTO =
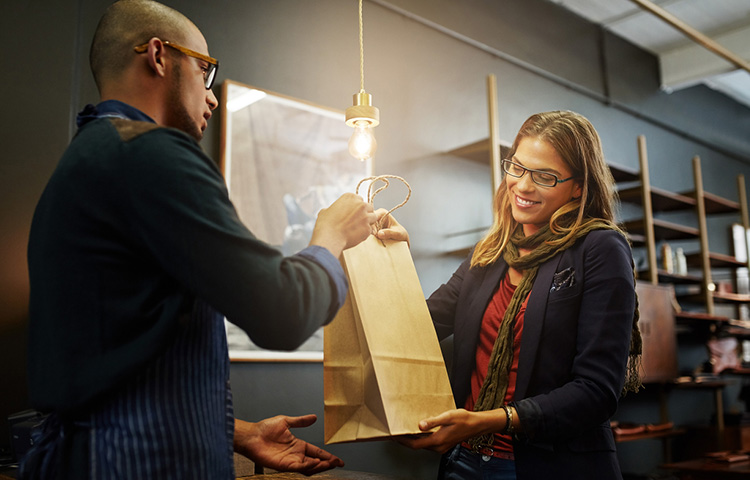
[(384, 179)]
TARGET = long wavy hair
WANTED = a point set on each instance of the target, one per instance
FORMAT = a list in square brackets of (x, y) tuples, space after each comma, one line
[(576, 140)]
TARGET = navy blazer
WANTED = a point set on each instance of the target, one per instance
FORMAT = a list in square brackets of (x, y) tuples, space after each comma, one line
[(573, 356)]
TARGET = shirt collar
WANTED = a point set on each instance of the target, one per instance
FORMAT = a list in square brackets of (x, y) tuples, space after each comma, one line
[(111, 109)]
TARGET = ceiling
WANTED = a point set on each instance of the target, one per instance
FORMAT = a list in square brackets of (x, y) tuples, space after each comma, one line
[(683, 62)]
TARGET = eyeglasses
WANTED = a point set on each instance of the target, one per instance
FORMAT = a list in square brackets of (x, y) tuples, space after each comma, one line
[(539, 177), (209, 74)]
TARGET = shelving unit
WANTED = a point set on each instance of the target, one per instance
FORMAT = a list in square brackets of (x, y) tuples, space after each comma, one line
[(707, 260), (648, 232), (659, 360), (479, 152), (491, 149), (487, 150)]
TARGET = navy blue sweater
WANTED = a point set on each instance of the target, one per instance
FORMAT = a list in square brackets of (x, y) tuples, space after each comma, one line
[(134, 225)]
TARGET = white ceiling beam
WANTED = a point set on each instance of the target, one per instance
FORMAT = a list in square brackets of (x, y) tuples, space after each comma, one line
[(690, 64)]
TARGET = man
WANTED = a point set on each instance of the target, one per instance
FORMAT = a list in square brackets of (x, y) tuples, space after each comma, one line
[(136, 254)]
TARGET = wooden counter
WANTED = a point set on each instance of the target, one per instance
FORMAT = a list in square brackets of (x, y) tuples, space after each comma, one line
[(336, 474)]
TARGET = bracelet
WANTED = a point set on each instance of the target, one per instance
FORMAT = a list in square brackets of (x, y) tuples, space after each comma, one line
[(509, 415)]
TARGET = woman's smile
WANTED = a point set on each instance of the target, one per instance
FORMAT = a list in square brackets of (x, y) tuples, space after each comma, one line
[(525, 203)]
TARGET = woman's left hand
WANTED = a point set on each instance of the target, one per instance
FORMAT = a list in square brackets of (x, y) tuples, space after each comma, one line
[(454, 426), (390, 229)]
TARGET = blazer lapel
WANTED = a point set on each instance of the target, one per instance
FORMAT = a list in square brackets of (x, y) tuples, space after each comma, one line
[(467, 336), (533, 323), (484, 293)]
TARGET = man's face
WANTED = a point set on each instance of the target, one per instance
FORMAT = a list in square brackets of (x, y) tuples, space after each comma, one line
[(189, 104)]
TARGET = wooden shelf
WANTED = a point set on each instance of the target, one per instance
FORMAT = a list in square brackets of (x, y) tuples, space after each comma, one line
[(700, 316), (718, 260), (623, 174), (726, 297), (706, 468), (661, 200), (673, 278), (737, 331), (737, 371), (479, 151), (743, 325), (699, 384), (718, 297), (636, 239), (663, 230), (715, 204), (673, 432), (730, 325)]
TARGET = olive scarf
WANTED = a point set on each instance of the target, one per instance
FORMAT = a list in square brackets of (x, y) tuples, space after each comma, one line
[(492, 393)]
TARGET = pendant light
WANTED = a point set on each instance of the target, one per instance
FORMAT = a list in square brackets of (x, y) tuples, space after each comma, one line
[(363, 116)]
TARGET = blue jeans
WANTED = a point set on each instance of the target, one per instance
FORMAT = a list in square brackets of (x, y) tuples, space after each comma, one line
[(463, 464)]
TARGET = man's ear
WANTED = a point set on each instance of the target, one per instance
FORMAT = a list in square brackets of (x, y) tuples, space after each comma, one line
[(157, 57)]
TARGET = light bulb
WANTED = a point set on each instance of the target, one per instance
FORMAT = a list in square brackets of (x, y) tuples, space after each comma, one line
[(362, 144)]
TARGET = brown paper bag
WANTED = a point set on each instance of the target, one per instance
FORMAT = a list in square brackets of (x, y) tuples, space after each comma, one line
[(383, 368)]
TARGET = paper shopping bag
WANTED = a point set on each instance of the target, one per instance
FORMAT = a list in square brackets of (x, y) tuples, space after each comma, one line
[(383, 368)]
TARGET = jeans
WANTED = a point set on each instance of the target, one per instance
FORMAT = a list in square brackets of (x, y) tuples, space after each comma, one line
[(463, 464)]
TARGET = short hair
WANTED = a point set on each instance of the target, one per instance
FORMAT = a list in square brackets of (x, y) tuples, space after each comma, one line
[(125, 24)]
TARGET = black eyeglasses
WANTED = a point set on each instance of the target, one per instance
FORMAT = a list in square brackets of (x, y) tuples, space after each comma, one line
[(209, 74), (539, 177)]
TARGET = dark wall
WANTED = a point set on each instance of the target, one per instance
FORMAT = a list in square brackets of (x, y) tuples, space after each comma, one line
[(40, 54), (425, 64)]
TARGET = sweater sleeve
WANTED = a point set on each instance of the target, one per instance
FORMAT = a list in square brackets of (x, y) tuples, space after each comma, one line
[(177, 206)]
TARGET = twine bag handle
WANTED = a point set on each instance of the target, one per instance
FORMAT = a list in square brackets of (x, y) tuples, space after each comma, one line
[(384, 179)]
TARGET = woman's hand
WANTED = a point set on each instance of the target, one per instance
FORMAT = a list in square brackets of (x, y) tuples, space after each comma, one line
[(453, 427), (390, 229)]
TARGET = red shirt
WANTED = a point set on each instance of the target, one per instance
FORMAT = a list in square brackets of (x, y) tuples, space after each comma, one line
[(493, 316)]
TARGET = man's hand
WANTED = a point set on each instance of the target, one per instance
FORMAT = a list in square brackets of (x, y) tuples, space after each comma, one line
[(344, 224), (390, 229), (270, 443)]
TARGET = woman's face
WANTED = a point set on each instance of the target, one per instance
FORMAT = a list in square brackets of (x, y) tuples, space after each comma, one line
[(532, 204)]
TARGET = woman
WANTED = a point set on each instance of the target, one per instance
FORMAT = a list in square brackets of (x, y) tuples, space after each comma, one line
[(542, 314)]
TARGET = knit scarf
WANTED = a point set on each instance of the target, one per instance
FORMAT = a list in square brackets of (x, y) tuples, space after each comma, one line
[(495, 386)]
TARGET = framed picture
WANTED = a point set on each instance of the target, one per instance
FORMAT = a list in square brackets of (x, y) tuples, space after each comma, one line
[(283, 160)]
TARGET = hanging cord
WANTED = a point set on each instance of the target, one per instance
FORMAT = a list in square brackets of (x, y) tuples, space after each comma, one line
[(361, 53), (371, 194)]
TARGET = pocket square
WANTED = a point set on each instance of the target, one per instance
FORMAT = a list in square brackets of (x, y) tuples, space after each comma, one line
[(563, 279)]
